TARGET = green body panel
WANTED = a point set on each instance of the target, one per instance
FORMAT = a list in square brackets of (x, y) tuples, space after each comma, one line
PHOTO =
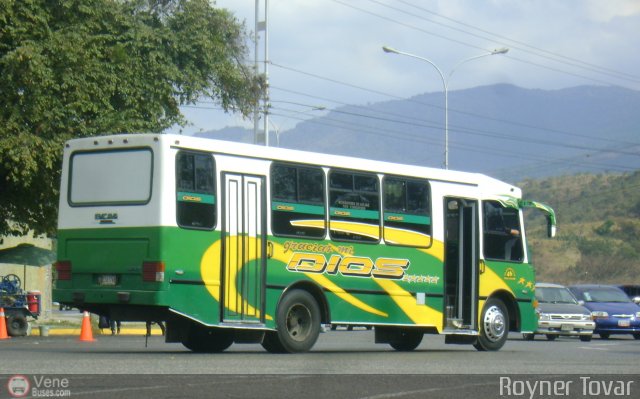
[(518, 279), (380, 290), (122, 251)]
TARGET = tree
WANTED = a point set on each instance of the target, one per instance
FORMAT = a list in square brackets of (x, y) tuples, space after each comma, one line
[(75, 68)]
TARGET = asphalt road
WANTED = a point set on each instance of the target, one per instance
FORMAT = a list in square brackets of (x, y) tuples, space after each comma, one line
[(342, 364)]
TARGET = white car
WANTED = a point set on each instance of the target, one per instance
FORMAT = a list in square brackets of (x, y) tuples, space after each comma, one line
[(560, 314)]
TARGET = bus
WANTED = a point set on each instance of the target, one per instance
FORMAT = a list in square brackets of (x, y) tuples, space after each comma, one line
[(229, 242)]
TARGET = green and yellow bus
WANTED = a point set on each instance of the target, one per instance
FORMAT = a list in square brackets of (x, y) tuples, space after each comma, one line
[(229, 242)]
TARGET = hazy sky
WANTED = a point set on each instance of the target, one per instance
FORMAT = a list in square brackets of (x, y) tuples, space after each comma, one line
[(325, 53)]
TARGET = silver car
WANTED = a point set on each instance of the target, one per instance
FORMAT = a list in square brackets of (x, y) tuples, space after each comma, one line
[(560, 314)]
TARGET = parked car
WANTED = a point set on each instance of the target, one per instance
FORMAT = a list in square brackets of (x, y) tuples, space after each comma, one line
[(632, 291), (611, 308), (560, 314)]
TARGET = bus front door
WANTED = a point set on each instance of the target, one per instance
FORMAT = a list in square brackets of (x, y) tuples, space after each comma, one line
[(461, 263), (244, 248)]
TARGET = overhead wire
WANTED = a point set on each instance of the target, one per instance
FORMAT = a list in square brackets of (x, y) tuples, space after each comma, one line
[(480, 132), (407, 25), (420, 138), (417, 122), (562, 56), (522, 46)]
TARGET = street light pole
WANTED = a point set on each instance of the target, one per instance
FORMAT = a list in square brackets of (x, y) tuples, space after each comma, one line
[(312, 108), (445, 84)]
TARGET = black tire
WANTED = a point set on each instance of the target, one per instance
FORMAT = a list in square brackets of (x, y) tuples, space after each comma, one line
[(528, 337), (202, 339), (407, 340), (585, 338), (494, 326), (297, 322), (17, 325), (636, 335), (604, 335), (271, 342), (551, 337)]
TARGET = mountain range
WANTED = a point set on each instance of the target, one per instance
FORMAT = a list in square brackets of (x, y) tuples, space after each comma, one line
[(505, 131)]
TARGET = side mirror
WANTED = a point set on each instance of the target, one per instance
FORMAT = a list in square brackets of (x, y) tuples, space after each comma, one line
[(551, 230), (636, 300), (581, 302)]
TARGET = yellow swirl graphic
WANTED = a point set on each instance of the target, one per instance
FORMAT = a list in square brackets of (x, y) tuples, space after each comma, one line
[(211, 274)]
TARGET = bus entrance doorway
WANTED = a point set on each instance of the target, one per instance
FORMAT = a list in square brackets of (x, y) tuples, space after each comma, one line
[(461, 264), (244, 248)]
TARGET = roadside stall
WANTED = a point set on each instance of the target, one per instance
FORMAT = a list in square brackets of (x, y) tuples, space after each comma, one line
[(19, 304)]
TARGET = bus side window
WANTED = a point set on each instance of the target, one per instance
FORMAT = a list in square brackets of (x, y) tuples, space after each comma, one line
[(407, 212), (297, 201), (195, 190), (354, 200), (502, 233)]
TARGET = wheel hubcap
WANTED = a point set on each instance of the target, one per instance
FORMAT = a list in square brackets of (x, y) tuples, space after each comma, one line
[(299, 322), (494, 324)]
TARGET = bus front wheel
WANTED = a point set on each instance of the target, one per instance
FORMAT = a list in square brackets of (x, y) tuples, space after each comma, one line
[(494, 326), (297, 322)]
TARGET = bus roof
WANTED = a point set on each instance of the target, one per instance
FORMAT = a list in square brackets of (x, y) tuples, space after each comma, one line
[(492, 185)]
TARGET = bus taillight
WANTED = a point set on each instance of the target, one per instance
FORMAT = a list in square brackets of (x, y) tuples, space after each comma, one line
[(63, 270), (153, 272)]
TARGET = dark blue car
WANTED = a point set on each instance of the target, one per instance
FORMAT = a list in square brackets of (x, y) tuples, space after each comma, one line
[(611, 308)]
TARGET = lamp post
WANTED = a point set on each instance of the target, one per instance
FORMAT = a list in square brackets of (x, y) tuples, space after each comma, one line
[(445, 84), (312, 108)]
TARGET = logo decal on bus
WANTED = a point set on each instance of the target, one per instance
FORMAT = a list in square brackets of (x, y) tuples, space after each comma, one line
[(509, 274), (354, 266), (106, 217)]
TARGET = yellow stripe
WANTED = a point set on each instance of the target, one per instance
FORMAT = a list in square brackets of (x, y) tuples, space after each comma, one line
[(362, 229), (391, 235), (394, 235), (328, 284), (490, 282), (419, 314)]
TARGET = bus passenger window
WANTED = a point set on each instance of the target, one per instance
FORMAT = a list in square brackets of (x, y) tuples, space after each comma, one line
[(502, 232), (354, 202), (195, 190), (407, 212), (297, 201)]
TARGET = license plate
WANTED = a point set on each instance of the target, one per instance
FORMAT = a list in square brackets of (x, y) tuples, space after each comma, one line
[(107, 279), (623, 323), (566, 327)]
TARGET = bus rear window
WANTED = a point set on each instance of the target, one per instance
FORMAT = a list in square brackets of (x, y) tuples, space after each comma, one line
[(111, 177)]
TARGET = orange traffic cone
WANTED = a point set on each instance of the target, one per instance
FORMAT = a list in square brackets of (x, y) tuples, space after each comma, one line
[(3, 325), (85, 331)]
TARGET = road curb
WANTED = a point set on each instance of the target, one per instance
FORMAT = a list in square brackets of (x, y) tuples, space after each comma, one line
[(75, 331)]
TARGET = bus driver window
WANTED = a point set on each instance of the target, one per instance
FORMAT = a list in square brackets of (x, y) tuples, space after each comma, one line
[(502, 238)]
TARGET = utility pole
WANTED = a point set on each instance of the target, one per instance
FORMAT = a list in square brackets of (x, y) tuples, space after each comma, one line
[(261, 137)]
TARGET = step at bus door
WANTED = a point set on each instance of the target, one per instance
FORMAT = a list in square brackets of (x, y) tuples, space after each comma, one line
[(461, 263), (244, 248)]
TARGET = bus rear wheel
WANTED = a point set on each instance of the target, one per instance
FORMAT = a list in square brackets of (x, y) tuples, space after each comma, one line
[(494, 326), (202, 339), (407, 340), (297, 322)]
